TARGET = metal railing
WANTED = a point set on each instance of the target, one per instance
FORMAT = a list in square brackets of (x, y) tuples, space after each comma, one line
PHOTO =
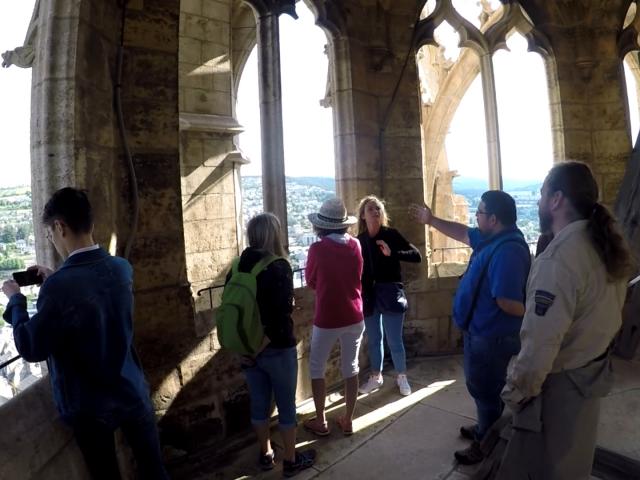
[(298, 278), (209, 290), (10, 361), (16, 375), (432, 251), (298, 282)]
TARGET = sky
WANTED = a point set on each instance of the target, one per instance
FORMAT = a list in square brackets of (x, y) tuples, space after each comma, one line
[(15, 97), (308, 127), (523, 117)]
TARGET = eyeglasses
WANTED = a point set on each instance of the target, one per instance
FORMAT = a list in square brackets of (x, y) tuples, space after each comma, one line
[(480, 212)]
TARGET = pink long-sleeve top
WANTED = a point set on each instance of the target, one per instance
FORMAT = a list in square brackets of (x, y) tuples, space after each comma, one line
[(334, 271)]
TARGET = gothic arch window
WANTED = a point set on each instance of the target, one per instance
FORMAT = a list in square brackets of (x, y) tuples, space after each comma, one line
[(307, 129), (486, 117)]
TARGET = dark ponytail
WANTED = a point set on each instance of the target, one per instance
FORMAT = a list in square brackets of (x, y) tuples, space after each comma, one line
[(576, 182), (609, 243)]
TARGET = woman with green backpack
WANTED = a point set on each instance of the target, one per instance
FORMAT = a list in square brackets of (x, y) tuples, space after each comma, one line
[(273, 371)]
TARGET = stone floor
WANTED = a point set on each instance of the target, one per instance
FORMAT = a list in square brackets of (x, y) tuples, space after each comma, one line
[(414, 437)]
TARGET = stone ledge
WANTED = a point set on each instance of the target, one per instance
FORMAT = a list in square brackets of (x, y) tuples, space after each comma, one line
[(210, 123)]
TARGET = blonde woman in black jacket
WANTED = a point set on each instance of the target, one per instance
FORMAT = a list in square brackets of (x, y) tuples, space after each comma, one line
[(383, 248)]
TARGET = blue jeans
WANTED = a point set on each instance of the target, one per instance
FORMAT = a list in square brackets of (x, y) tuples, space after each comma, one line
[(274, 374), (485, 369), (392, 324)]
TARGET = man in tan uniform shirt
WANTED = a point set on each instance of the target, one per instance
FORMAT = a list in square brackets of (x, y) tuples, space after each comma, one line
[(575, 294)]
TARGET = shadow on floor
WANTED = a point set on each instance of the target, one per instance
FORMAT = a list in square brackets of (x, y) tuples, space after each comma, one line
[(405, 438)]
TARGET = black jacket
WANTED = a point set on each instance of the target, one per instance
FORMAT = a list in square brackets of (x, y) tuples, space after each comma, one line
[(379, 268), (274, 296)]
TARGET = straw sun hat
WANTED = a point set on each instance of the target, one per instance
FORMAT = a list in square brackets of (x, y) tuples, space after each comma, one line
[(332, 216)]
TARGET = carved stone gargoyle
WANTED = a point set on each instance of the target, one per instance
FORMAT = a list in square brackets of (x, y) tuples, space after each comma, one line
[(24, 56)]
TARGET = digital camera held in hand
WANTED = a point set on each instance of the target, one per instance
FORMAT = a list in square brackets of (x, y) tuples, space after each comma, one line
[(28, 277)]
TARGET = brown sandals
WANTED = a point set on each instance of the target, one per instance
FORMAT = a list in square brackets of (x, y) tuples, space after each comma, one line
[(314, 426), (345, 425)]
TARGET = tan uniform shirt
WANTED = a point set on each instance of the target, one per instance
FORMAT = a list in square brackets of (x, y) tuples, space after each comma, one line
[(572, 313)]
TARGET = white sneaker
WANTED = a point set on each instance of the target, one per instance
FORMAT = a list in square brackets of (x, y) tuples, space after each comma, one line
[(374, 383), (403, 385)]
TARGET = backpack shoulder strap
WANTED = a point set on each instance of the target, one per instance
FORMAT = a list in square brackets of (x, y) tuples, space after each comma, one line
[(263, 263), (234, 265), (483, 274)]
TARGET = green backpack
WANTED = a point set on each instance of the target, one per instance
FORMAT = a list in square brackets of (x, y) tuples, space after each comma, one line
[(238, 317)]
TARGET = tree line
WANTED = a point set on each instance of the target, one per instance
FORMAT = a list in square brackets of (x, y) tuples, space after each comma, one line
[(13, 233)]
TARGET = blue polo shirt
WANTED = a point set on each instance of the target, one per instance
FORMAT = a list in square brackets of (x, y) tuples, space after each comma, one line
[(506, 277)]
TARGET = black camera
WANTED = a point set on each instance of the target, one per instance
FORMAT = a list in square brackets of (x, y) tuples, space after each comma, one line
[(28, 277)]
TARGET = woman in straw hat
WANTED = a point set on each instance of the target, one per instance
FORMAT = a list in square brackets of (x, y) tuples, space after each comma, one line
[(334, 269)]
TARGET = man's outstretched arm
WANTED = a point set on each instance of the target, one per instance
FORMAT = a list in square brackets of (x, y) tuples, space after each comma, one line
[(455, 230), (35, 337)]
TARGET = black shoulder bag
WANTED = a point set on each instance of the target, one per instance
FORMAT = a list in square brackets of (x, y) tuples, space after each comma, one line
[(389, 296)]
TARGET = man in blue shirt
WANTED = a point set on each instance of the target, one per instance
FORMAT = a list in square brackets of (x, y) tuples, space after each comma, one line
[(489, 304), (84, 330)]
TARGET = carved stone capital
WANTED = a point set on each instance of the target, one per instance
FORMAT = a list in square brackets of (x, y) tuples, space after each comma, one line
[(330, 15), (273, 7)]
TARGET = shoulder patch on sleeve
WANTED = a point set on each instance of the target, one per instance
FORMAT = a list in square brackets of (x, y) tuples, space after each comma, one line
[(543, 300)]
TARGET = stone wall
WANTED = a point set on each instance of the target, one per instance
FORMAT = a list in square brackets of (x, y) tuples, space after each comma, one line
[(207, 128), (586, 86), (428, 327), (34, 441), (211, 403), (74, 138), (376, 106)]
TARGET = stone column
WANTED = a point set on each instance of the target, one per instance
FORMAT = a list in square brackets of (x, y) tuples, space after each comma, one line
[(376, 108), (587, 86), (271, 131), (491, 121)]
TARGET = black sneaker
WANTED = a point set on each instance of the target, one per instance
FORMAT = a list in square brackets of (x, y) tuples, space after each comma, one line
[(266, 461), (468, 432), (470, 455), (303, 460)]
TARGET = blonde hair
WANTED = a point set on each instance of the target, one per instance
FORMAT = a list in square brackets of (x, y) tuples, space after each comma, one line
[(264, 231), (362, 225)]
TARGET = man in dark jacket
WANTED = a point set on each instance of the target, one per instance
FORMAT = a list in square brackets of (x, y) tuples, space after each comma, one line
[(84, 330)]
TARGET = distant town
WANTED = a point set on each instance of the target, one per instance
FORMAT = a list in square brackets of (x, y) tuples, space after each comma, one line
[(525, 193), (304, 195), (17, 250)]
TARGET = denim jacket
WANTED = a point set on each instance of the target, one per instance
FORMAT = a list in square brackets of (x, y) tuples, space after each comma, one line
[(84, 330)]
